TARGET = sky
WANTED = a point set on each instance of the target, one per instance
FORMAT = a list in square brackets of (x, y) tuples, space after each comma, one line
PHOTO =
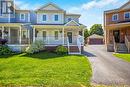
[(91, 10)]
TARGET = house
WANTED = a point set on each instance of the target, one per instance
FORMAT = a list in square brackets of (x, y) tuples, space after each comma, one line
[(49, 23), (95, 40), (117, 28)]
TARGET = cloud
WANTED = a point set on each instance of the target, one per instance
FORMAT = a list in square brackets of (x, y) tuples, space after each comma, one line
[(98, 4), (25, 5)]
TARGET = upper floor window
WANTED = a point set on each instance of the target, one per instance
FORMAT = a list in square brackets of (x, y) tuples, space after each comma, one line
[(69, 19), (44, 18), (127, 15), (115, 17), (56, 17), (22, 16)]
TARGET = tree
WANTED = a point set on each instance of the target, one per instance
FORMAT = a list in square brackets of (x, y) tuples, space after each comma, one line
[(86, 33), (96, 29)]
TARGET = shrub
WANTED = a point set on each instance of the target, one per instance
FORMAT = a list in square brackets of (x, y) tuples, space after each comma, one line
[(4, 50), (61, 50), (3, 41), (35, 47)]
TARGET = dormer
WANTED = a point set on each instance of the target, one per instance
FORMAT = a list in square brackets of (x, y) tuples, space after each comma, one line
[(50, 14)]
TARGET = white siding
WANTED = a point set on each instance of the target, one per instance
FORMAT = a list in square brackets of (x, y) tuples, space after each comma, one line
[(50, 18)]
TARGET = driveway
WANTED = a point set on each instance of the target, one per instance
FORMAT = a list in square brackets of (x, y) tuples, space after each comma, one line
[(107, 69)]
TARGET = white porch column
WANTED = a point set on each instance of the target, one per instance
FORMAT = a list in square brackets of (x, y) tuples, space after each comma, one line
[(34, 31), (9, 35), (2, 32), (63, 36), (20, 35), (83, 36)]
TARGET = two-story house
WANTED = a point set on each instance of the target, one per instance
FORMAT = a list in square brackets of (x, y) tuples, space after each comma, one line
[(49, 23), (117, 28)]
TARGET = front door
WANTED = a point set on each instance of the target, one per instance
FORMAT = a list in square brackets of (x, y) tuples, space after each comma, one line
[(14, 36), (69, 34), (116, 34)]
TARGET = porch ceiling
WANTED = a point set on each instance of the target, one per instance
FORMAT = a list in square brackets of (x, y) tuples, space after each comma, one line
[(10, 24), (58, 26), (118, 26)]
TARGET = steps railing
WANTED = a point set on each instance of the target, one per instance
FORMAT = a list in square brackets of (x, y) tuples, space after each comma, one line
[(115, 45), (127, 43), (68, 44)]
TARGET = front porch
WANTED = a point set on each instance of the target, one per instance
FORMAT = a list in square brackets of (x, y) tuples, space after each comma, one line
[(17, 36), (52, 36), (118, 38)]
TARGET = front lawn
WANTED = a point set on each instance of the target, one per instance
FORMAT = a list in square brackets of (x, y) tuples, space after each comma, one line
[(45, 69), (125, 57)]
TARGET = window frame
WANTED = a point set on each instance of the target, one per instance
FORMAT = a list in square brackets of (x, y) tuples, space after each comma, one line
[(44, 38), (56, 37), (44, 15), (125, 15), (56, 19), (115, 15), (23, 16)]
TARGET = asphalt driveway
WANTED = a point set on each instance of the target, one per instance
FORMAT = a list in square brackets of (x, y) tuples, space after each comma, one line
[(107, 69)]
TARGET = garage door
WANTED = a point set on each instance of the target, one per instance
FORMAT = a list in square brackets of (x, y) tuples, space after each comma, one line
[(95, 41)]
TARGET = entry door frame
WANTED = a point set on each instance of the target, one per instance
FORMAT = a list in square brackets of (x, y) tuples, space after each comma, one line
[(116, 34), (70, 38)]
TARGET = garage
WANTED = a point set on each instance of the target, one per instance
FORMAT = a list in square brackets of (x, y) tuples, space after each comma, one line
[(95, 40)]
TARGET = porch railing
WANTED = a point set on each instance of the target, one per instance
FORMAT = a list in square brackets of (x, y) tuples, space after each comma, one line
[(127, 42)]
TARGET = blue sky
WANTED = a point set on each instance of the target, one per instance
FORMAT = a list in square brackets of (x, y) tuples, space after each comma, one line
[(91, 10)]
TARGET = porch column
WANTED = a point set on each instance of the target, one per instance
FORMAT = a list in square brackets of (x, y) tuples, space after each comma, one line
[(20, 35), (63, 35), (34, 31), (83, 37), (9, 35), (2, 32)]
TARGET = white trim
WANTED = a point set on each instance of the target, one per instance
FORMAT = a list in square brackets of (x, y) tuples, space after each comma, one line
[(72, 21), (63, 35), (20, 36), (29, 17), (126, 13), (2, 32), (115, 15), (23, 18), (34, 38)]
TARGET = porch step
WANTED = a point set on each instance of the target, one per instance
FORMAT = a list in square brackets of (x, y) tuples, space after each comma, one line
[(77, 53), (121, 48), (74, 49)]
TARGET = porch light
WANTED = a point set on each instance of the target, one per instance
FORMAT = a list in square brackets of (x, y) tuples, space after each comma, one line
[(60, 31)]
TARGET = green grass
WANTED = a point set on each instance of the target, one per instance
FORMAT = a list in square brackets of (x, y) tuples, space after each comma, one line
[(125, 57), (46, 69)]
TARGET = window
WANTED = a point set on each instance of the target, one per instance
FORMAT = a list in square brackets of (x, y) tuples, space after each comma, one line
[(69, 19), (4, 7), (56, 17), (115, 17), (44, 35), (56, 35), (24, 34), (44, 17), (22, 16), (127, 15)]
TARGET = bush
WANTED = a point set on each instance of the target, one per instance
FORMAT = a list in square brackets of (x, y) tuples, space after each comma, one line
[(35, 47), (61, 50), (4, 50), (3, 41)]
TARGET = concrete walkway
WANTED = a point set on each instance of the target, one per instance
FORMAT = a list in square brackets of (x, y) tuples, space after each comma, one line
[(107, 69)]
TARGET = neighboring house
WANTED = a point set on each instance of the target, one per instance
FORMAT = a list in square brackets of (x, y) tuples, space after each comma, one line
[(49, 23), (95, 40), (117, 28)]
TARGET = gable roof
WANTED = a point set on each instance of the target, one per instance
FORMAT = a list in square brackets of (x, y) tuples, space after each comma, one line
[(124, 7), (96, 36), (50, 6), (72, 23)]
